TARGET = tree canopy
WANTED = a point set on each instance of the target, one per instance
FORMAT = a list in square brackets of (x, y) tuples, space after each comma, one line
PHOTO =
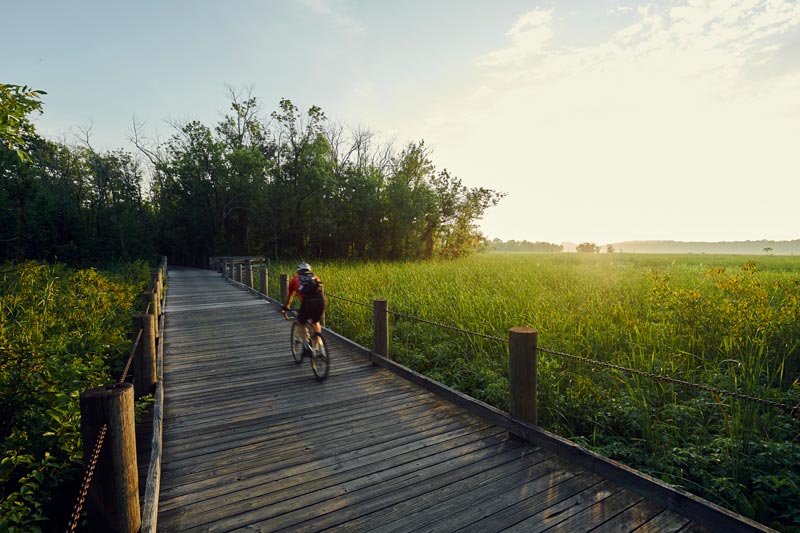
[(288, 184), (16, 103)]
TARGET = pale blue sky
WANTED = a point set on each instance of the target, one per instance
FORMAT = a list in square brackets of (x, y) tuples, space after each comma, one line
[(603, 120)]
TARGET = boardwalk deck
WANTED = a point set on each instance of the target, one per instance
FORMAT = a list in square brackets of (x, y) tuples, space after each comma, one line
[(252, 442)]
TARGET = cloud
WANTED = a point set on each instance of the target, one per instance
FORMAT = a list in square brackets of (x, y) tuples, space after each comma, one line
[(334, 11), (530, 36)]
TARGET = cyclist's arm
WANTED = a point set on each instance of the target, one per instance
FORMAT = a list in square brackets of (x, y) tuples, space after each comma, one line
[(291, 289)]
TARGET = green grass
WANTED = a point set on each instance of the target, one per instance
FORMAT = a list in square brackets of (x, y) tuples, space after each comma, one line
[(730, 322)]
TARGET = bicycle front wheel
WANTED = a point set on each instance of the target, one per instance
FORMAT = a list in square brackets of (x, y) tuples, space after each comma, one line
[(297, 343), (320, 359)]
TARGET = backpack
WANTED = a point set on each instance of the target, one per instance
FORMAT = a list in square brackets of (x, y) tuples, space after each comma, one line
[(309, 285)]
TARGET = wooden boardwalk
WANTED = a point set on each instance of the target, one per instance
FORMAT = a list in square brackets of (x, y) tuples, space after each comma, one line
[(252, 442)]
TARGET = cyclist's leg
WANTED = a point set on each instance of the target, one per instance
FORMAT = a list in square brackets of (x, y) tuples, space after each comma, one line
[(302, 317), (316, 309)]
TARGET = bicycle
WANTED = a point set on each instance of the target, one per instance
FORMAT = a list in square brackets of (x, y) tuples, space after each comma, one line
[(317, 351)]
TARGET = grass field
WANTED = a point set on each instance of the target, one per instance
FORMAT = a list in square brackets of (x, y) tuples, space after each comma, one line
[(728, 322)]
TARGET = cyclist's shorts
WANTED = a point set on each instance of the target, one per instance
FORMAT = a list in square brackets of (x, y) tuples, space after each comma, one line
[(312, 308)]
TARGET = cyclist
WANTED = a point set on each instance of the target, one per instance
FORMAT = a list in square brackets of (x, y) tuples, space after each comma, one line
[(313, 303)]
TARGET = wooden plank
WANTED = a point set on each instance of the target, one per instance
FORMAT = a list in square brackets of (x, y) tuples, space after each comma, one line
[(259, 470), (367, 510), (563, 509), (455, 500), (665, 522), (545, 501), (289, 497), (473, 505), (442, 468)]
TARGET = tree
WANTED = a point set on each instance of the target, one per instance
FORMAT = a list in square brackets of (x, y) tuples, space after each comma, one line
[(587, 248), (610, 248), (16, 103)]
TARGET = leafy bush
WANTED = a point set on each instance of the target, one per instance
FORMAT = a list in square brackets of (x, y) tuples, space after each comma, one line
[(61, 332)]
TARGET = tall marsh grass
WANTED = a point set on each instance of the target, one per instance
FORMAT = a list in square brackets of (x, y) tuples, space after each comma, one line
[(729, 322)]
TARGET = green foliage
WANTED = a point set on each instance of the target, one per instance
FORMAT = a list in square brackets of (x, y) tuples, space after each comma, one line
[(498, 245), (587, 248), (16, 103), (300, 187), (74, 206), (296, 185), (720, 321), (61, 332)]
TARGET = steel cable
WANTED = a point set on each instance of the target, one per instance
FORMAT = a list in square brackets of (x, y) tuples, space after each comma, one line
[(788, 408)]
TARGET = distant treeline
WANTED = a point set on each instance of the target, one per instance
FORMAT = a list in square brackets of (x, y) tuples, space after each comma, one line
[(292, 185), (497, 245), (732, 247)]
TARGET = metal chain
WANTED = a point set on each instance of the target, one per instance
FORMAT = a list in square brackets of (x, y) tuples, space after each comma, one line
[(788, 408), (87, 479), (130, 358)]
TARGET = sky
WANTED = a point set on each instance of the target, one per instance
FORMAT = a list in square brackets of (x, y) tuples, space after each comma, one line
[(602, 121)]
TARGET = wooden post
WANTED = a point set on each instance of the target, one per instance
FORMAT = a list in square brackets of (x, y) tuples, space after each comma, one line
[(113, 499), (522, 374), (264, 280), (154, 298), (239, 276), (144, 358), (249, 277), (152, 302), (380, 327), (284, 287)]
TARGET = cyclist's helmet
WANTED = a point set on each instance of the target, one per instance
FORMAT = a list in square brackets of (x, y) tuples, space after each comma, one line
[(303, 267)]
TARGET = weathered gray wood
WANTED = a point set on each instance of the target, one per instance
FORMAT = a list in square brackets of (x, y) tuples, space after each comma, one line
[(284, 283), (144, 362), (264, 281), (152, 491), (522, 377), (380, 327), (113, 500)]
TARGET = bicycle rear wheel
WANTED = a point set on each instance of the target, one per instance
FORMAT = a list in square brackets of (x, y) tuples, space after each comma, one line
[(297, 343), (320, 359)]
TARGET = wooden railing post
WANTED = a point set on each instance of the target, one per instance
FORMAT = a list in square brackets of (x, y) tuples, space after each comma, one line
[(264, 280), (284, 287), (522, 379), (144, 358), (380, 327), (155, 296), (152, 304), (113, 499), (249, 277), (239, 276)]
